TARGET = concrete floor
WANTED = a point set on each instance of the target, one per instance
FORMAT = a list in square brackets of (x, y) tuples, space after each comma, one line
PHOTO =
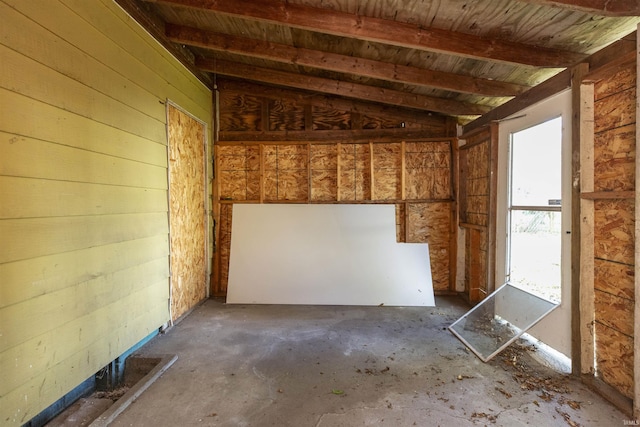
[(324, 366)]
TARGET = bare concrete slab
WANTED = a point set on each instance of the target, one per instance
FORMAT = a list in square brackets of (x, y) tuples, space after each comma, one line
[(269, 365)]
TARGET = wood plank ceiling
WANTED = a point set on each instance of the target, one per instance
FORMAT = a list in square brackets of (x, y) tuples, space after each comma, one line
[(459, 58)]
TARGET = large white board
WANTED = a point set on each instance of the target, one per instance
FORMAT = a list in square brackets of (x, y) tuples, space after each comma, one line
[(324, 255)]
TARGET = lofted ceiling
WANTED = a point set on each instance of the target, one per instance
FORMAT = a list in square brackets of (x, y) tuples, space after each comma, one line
[(459, 58)]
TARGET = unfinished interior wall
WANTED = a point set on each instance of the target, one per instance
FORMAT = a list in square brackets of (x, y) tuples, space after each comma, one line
[(338, 156), (608, 206), (187, 210), (476, 190), (83, 183)]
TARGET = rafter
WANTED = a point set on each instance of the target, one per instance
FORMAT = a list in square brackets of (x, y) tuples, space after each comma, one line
[(384, 31), (341, 88), (340, 63), (597, 7)]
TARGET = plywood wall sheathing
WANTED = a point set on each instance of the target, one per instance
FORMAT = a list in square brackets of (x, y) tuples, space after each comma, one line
[(355, 179), (324, 175), (286, 114), (614, 246), (475, 210), (325, 118), (240, 112), (188, 235), (387, 169), (350, 173), (239, 172), (428, 170), (286, 172), (614, 358), (476, 204), (256, 112), (431, 223)]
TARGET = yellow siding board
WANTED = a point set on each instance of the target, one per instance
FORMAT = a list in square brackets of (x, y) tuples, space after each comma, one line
[(31, 357), (20, 404), (33, 277), (56, 309), (83, 179), (27, 157), (30, 78), (32, 198), (27, 117), (116, 45), (46, 236), (34, 41), (149, 51)]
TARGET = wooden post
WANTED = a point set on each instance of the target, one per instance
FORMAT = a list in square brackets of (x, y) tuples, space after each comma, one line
[(261, 173), (493, 207), (406, 222), (474, 265), (372, 180), (309, 172), (636, 312), (453, 240), (214, 282), (339, 148), (403, 168), (576, 98), (585, 291)]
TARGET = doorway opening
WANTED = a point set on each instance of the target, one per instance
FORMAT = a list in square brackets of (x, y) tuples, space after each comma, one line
[(534, 210)]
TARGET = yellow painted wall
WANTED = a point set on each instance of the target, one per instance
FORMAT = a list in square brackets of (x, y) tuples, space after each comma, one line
[(83, 192)]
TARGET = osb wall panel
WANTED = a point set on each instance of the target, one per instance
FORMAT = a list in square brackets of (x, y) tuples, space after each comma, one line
[(239, 172), (286, 172), (614, 222), (355, 172), (308, 173), (614, 231), (337, 172), (614, 159), (387, 171), (187, 207), (431, 223), (614, 143), (324, 172), (614, 358), (614, 278), (474, 180), (428, 170), (474, 208)]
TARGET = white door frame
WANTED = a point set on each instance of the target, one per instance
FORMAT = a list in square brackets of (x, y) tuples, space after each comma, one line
[(555, 329)]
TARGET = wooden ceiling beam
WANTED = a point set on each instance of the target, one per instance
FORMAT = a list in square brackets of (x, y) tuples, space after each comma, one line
[(341, 88), (340, 63), (597, 7), (544, 90), (384, 31)]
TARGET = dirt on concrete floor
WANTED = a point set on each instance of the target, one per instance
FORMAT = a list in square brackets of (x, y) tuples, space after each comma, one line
[(243, 365)]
